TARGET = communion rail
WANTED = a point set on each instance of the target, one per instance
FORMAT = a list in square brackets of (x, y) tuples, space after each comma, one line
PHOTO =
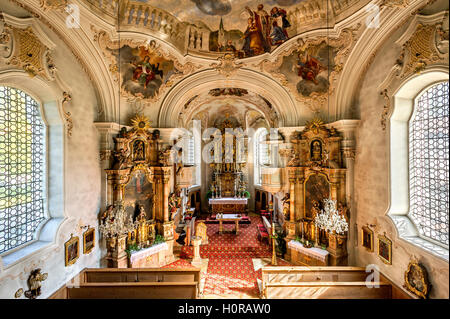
[(325, 283), (132, 283)]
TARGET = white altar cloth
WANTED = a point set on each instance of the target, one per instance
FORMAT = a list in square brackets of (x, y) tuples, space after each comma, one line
[(148, 252), (228, 200), (317, 253), (228, 216)]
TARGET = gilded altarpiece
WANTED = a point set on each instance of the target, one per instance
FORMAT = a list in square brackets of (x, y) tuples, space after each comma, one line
[(140, 181), (316, 173)]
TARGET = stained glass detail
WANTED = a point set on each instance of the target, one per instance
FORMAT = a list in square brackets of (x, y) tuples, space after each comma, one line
[(429, 164), (22, 167)]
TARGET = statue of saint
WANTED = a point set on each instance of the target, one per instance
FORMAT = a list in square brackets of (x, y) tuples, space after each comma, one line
[(315, 210), (316, 151)]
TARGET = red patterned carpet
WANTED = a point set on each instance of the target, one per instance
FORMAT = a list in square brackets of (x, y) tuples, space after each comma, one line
[(230, 272)]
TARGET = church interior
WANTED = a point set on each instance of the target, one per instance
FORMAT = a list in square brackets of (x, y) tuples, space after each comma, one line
[(224, 149)]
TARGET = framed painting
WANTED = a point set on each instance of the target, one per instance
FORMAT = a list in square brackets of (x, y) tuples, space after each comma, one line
[(317, 188), (385, 249), (72, 250), (367, 238), (139, 192), (88, 240)]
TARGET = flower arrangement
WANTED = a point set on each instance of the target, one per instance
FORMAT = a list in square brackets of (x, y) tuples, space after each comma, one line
[(117, 223), (330, 220)]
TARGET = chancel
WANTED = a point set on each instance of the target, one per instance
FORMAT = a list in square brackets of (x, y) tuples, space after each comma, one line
[(206, 149)]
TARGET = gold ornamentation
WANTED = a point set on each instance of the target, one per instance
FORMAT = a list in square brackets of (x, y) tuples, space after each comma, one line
[(227, 65), (140, 123), (53, 4), (386, 108), (315, 125), (34, 283), (416, 279), (67, 115), (88, 240), (72, 250), (367, 238), (419, 50), (18, 293)]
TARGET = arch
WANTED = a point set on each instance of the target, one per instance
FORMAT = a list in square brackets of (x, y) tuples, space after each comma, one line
[(51, 110), (179, 95), (398, 130), (362, 55)]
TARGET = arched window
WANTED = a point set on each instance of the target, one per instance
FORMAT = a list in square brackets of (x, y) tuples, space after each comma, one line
[(419, 154), (22, 168), (428, 163), (261, 153)]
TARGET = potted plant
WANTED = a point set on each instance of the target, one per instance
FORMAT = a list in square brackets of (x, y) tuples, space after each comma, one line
[(281, 244)]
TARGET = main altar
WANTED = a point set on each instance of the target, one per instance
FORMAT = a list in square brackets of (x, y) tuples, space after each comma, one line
[(227, 193)]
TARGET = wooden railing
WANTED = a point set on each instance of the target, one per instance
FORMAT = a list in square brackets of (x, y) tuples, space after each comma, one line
[(140, 283), (324, 283)]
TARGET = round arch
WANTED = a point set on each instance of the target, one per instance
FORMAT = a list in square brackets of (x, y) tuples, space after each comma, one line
[(180, 94)]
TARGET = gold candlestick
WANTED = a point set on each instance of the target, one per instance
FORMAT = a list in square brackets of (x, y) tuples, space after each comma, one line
[(274, 253)]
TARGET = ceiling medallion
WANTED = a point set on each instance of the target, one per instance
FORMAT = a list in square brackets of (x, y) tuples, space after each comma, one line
[(140, 123)]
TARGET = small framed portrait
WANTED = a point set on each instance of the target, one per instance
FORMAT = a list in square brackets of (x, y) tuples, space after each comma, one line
[(88, 240), (367, 238), (72, 250), (385, 249)]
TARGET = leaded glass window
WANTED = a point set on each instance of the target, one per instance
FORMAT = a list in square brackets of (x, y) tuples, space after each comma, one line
[(428, 163), (22, 168)]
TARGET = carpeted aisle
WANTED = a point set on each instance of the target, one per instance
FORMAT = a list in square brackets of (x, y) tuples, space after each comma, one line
[(231, 272)]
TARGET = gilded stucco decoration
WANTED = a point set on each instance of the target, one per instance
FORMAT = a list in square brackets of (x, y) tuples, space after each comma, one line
[(144, 69), (67, 115), (227, 65), (24, 50), (423, 46), (310, 68), (53, 4)]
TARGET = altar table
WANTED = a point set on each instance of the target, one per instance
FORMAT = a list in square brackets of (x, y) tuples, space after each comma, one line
[(308, 256), (228, 204), (231, 217), (154, 256)]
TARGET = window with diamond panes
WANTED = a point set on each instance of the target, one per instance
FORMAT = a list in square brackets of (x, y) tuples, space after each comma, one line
[(22, 167), (428, 163)]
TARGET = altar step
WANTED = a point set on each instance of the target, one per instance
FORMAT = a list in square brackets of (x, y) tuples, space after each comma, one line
[(228, 252)]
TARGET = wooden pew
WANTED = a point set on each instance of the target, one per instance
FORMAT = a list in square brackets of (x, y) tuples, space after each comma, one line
[(321, 283), (133, 283), (134, 290)]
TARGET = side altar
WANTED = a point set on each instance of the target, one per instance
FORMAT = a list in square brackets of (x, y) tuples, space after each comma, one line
[(138, 190)]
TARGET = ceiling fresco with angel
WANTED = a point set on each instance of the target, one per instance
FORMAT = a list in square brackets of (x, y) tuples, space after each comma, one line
[(143, 70)]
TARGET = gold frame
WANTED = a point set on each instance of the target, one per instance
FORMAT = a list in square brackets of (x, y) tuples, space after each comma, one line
[(388, 242), (423, 278), (369, 231), (68, 243), (85, 234)]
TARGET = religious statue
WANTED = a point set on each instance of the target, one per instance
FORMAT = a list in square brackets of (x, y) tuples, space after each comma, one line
[(315, 209), (286, 206), (343, 211), (174, 203), (316, 151), (121, 159), (138, 150), (34, 283), (141, 223), (106, 213)]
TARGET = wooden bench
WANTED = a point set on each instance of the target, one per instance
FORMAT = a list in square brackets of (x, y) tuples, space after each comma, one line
[(322, 283), (132, 283)]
